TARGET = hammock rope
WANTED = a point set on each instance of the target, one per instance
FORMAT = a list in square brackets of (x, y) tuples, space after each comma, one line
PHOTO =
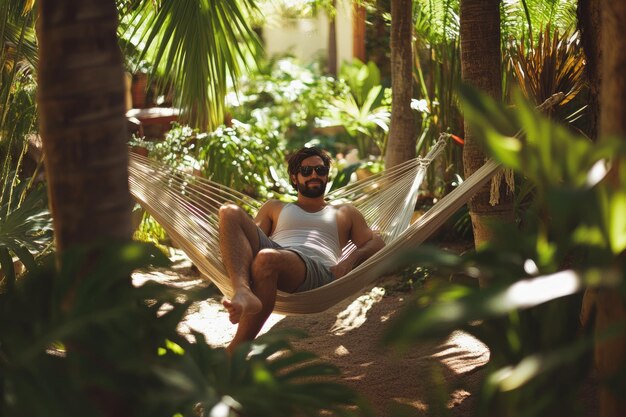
[(186, 206)]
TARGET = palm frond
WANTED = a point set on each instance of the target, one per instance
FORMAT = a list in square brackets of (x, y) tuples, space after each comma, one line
[(201, 45), (521, 17), (25, 229), (442, 17), (555, 63)]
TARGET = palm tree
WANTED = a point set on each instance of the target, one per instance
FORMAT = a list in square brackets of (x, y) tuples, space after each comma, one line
[(83, 129), (481, 65), (610, 305), (403, 128), (84, 137), (202, 45), (82, 122)]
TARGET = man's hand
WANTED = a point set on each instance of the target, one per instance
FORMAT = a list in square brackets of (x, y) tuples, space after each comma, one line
[(342, 268), (370, 247)]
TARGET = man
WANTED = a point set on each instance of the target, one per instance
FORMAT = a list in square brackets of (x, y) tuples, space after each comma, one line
[(303, 248)]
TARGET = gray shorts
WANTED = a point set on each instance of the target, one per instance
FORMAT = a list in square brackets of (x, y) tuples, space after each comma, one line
[(317, 274)]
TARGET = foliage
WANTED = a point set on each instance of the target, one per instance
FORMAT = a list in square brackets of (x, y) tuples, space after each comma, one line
[(82, 354), (437, 72), (18, 58), (234, 156), (149, 230), (527, 17), (177, 148), (25, 228), (362, 79), (202, 45), (19, 120), (573, 237), (243, 159), (438, 20), (365, 111), (286, 99), (288, 9), (437, 69), (555, 63), (303, 107)]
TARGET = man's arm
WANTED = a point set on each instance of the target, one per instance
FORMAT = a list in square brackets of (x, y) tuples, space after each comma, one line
[(266, 215), (367, 243)]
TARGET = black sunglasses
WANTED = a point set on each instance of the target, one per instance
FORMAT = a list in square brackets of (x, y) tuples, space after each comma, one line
[(321, 170)]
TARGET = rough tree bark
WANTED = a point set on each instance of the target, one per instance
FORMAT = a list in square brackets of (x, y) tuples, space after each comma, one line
[(83, 129), (588, 12), (82, 122), (609, 304), (481, 67), (403, 129)]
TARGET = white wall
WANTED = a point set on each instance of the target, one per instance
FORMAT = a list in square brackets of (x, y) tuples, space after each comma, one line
[(344, 29), (307, 39)]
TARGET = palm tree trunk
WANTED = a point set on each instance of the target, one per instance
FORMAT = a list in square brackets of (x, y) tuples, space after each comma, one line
[(82, 122), (481, 64), (610, 304), (83, 128), (359, 15), (588, 12), (403, 128)]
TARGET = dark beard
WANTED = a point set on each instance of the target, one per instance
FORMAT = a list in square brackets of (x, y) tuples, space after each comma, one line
[(312, 192)]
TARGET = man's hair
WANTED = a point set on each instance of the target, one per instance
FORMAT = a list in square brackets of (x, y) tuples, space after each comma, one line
[(295, 160)]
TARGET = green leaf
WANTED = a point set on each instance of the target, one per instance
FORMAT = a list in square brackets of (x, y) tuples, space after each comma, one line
[(25, 256), (617, 221), (439, 318), (8, 269), (533, 366)]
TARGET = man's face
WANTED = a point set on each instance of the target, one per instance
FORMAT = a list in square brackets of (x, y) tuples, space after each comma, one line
[(309, 182)]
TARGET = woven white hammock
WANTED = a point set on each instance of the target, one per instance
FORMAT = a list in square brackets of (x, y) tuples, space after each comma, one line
[(186, 206)]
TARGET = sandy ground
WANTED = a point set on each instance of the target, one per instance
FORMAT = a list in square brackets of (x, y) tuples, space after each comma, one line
[(348, 335)]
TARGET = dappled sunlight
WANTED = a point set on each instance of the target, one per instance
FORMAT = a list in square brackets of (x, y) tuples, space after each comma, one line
[(341, 351), (462, 352), (597, 173), (355, 314), (211, 319), (411, 402), (358, 377), (457, 397)]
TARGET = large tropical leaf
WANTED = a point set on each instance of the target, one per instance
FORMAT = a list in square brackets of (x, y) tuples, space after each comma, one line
[(521, 17), (361, 78), (118, 337), (570, 239), (25, 229), (266, 377), (438, 20), (201, 44)]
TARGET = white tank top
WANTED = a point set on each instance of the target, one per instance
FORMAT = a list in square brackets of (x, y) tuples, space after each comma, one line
[(312, 234)]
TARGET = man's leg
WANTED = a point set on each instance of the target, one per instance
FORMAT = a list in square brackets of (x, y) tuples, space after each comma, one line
[(239, 242), (272, 270)]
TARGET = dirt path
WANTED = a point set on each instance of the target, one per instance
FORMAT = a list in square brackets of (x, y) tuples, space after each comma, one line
[(348, 335)]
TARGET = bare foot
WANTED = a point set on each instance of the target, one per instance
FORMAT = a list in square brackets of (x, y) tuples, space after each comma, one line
[(244, 302)]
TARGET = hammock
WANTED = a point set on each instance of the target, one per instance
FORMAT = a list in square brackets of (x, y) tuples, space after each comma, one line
[(186, 206)]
